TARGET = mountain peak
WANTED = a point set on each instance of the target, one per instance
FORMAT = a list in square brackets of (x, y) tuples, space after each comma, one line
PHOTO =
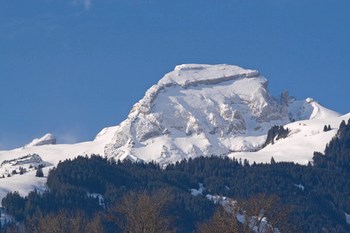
[(199, 109), (47, 139)]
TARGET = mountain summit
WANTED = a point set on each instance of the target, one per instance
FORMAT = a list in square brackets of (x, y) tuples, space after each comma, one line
[(47, 139), (204, 110)]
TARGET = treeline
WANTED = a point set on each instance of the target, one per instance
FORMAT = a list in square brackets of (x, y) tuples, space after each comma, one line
[(337, 152), (276, 133), (142, 197), (72, 184)]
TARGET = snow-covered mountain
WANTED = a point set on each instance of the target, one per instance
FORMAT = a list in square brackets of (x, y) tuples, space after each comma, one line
[(206, 110), (194, 110)]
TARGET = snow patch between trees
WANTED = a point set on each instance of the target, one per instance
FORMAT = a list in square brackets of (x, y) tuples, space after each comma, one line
[(347, 218)]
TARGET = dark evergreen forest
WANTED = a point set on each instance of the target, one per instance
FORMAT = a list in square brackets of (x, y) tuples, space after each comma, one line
[(143, 197)]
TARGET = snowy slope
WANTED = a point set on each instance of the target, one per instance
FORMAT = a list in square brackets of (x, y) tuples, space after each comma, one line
[(305, 137), (194, 110), (308, 109), (50, 155)]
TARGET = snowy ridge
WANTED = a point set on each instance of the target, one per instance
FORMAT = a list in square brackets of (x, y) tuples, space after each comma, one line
[(21, 165), (196, 74), (47, 139), (309, 109), (321, 112)]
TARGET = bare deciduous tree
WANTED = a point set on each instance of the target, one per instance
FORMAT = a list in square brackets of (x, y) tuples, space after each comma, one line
[(265, 213), (140, 212), (261, 214), (221, 222), (63, 222), (95, 225)]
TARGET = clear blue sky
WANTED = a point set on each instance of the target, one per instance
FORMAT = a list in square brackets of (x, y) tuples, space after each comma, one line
[(72, 67)]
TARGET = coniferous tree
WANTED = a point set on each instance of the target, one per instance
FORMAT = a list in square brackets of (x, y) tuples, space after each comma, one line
[(273, 160), (39, 172), (276, 133), (325, 128)]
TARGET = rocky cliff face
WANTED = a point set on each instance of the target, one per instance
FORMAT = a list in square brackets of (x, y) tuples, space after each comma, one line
[(200, 110)]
